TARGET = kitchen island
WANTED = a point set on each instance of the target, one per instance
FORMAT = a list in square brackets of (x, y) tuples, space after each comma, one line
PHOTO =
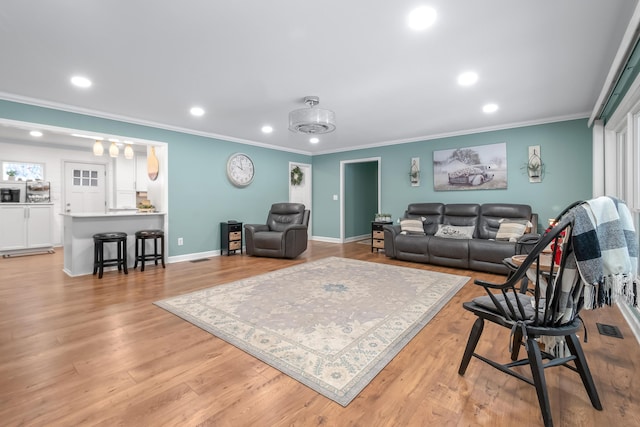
[(79, 230)]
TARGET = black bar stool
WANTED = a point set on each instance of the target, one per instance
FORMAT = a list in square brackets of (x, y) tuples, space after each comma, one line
[(99, 263), (142, 236)]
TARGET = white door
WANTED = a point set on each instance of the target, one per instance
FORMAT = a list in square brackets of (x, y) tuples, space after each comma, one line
[(302, 193), (84, 187)]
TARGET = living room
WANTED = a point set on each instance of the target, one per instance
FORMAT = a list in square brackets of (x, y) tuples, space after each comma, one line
[(200, 196)]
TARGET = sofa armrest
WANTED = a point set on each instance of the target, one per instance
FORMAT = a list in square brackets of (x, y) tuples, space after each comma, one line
[(390, 233), (527, 242), (252, 228)]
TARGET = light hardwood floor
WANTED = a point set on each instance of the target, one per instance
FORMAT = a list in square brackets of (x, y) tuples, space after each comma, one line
[(82, 351)]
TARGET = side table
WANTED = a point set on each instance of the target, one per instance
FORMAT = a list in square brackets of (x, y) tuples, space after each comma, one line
[(230, 237), (377, 234)]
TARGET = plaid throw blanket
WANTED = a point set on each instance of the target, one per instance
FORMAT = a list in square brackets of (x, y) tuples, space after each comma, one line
[(606, 251)]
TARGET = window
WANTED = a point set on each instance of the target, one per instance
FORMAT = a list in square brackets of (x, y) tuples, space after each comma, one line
[(23, 171), (85, 178)]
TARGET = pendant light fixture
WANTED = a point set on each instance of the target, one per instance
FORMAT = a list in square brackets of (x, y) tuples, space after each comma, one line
[(114, 150), (128, 152), (98, 149), (312, 120)]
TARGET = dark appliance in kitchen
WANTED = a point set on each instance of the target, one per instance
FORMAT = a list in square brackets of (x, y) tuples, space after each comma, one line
[(10, 195)]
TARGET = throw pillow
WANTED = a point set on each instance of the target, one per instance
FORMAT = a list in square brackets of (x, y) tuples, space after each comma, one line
[(411, 226), (512, 230), (455, 232)]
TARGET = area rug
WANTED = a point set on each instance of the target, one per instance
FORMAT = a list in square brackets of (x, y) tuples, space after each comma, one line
[(331, 324)]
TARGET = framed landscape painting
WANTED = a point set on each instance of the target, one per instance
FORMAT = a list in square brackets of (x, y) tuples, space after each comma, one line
[(483, 167)]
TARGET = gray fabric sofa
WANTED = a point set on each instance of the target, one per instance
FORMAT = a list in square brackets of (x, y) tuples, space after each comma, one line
[(482, 252)]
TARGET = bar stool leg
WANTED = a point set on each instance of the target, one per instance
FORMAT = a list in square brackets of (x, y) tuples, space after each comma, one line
[(155, 251), (135, 261), (162, 249), (144, 256), (100, 259), (124, 256)]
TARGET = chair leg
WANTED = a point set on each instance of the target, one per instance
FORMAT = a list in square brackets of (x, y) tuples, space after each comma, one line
[(100, 260), (537, 370), (144, 255), (583, 369), (474, 337), (516, 344)]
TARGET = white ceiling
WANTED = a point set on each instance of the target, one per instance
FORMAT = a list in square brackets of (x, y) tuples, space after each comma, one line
[(248, 63)]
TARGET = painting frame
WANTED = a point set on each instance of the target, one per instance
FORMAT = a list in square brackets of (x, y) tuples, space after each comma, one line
[(481, 167)]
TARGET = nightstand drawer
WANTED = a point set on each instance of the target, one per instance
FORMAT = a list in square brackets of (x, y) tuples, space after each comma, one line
[(235, 245), (378, 234), (235, 227), (235, 235), (378, 244)]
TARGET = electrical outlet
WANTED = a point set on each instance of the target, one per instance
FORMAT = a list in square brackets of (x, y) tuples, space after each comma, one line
[(180, 241)]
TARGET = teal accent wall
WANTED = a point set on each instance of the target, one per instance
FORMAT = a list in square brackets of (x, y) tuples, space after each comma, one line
[(360, 197), (200, 195), (566, 150)]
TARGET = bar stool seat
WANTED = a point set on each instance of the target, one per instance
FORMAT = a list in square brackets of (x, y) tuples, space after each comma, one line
[(141, 237), (99, 263)]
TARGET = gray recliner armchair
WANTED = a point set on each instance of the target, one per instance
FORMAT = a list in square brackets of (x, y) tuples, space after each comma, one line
[(283, 236)]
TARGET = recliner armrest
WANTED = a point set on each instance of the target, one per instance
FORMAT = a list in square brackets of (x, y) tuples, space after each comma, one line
[(256, 227)]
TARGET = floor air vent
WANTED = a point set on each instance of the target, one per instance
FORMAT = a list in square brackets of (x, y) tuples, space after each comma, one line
[(200, 260), (609, 330)]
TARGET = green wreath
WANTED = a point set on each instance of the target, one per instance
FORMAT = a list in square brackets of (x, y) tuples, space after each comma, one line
[(296, 176)]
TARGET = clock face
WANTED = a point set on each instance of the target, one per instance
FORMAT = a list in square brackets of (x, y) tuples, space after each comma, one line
[(240, 169)]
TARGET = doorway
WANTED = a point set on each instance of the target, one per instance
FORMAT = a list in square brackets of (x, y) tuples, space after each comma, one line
[(300, 188), (360, 180)]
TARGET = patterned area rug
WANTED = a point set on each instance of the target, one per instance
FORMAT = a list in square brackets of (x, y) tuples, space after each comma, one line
[(331, 324)]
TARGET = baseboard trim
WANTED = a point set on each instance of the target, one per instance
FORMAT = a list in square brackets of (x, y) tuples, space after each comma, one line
[(632, 316)]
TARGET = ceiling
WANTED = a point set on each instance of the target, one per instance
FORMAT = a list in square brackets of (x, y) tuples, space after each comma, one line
[(248, 64)]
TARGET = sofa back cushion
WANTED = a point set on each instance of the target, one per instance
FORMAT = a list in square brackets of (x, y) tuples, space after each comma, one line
[(492, 213), (462, 214), (429, 213)]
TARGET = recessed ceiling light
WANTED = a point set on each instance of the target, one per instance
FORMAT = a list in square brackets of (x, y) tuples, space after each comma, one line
[(467, 78), (81, 81), (314, 140), (35, 133), (197, 111), (267, 129), (490, 108), (421, 18)]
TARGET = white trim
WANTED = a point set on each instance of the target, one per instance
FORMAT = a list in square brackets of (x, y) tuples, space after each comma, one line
[(458, 133), (325, 239), (100, 114), (192, 256), (64, 107), (632, 319)]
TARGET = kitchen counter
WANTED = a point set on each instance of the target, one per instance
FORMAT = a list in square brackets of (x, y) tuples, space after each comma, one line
[(79, 229)]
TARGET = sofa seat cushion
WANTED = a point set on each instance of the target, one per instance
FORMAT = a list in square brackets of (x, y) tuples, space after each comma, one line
[(490, 251), (449, 252)]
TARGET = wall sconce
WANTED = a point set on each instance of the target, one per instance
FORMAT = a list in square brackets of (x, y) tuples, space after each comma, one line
[(534, 167), (128, 152), (98, 149), (114, 150), (414, 172)]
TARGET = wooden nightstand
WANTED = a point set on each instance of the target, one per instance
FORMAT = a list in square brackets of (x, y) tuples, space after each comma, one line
[(377, 235), (230, 237)]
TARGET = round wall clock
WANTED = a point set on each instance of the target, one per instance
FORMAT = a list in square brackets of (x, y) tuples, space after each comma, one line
[(240, 169)]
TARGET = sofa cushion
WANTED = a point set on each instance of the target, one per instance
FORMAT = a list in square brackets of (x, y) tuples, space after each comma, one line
[(411, 226), (455, 232), (429, 213), (492, 213), (511, 230)]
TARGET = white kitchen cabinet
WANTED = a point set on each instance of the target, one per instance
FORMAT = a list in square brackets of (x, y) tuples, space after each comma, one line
[(25, 228), (142, 177), (124, 183)]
